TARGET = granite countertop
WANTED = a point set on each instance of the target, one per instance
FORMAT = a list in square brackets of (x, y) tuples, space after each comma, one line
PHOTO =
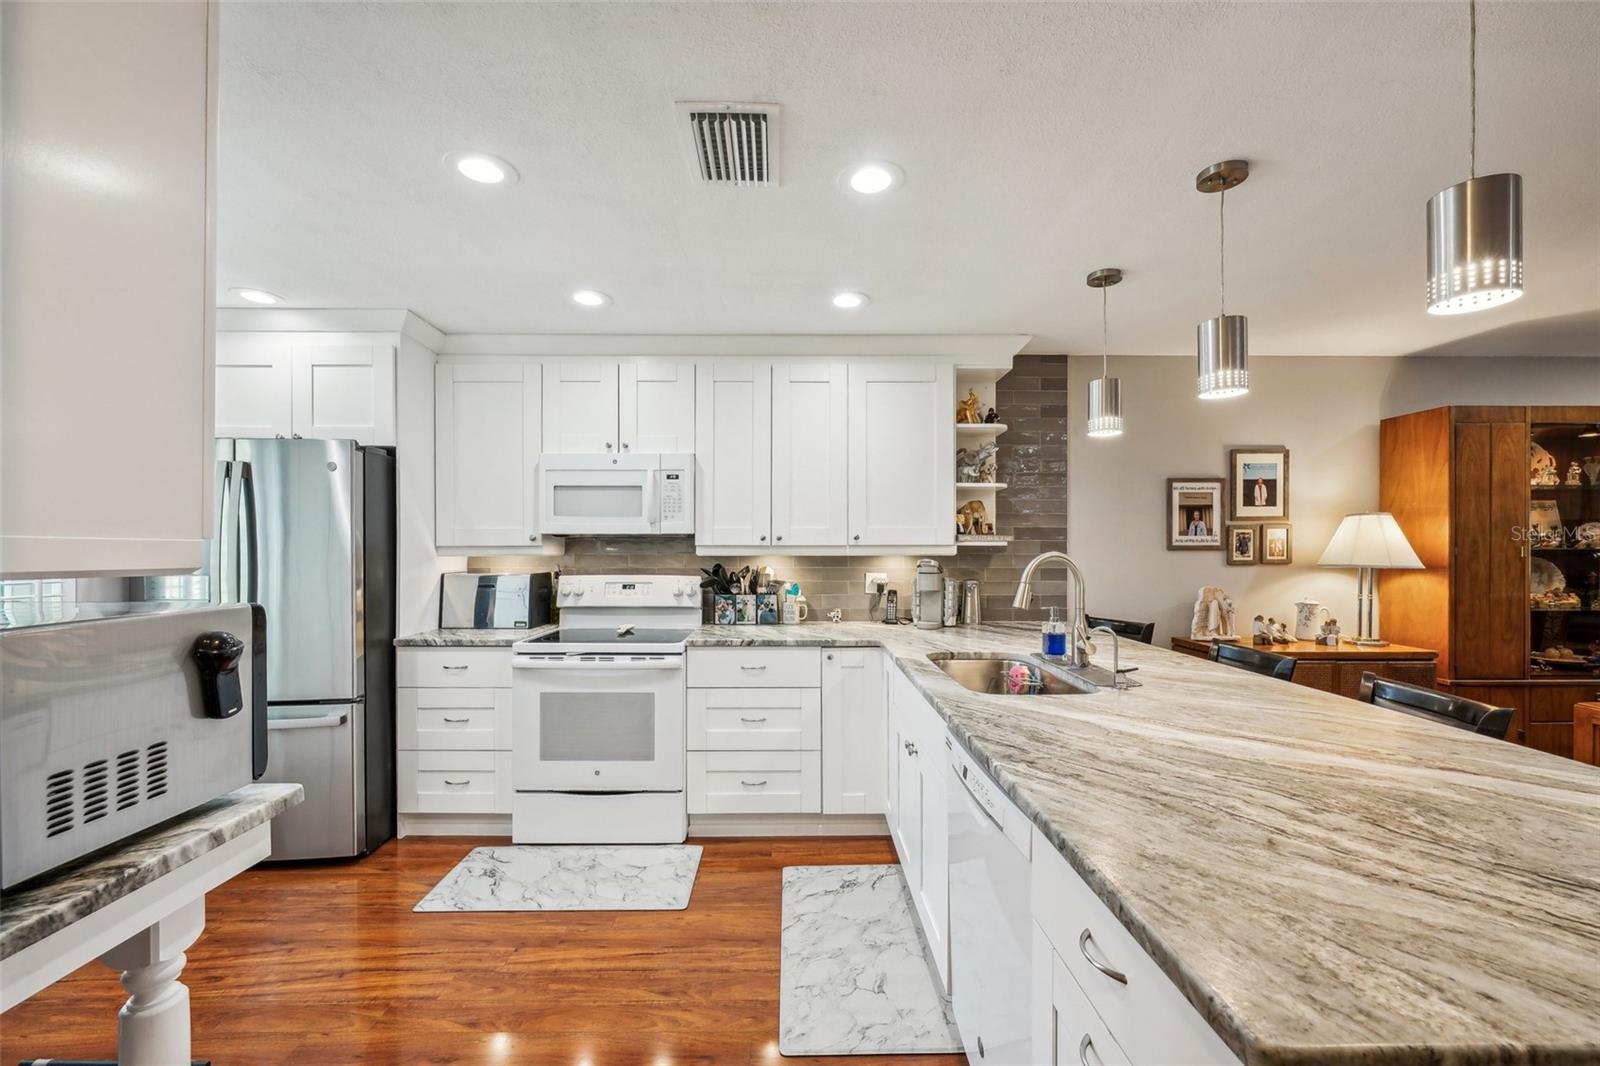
[(470, 638), (1325, 880), (78, 890)]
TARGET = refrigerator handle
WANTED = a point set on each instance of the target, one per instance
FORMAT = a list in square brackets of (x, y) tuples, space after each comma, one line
[(225, 577), (249, 591)]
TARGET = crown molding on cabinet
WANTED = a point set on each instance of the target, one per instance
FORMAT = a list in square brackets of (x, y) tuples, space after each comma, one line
[(329, 320), (969, 349)]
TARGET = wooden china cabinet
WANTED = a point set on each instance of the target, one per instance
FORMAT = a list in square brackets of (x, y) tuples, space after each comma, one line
[(1511, 593)]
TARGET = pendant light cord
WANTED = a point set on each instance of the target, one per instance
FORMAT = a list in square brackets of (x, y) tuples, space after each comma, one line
[(1105, 350), (1472, 80), (1222, 250)]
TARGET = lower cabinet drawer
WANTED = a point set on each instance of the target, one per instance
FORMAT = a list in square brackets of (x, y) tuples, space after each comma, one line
[(453, 719), (453, 667), (1142, 1009), (755, 782), (453, 782), (755, 667), (755, 719), (1072, 1034)]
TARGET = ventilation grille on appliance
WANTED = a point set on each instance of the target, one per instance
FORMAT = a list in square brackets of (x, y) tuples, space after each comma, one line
[(69, 798), (734, 144)]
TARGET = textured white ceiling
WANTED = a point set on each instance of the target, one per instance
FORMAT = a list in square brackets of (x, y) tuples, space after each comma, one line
[(1039, 141)]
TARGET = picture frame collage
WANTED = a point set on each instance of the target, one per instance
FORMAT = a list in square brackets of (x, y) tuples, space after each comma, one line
[(1244, 514)]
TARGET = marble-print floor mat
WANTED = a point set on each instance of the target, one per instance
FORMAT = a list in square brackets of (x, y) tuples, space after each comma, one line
[(586, 877), (854, 977)]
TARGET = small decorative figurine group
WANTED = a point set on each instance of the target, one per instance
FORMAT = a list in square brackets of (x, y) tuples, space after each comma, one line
[(1266, 630), (1213, 615), (973, 517), (1329, 634), (967, 411), (978, 464)]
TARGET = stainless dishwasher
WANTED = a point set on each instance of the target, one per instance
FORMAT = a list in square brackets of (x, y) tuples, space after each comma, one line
[(990, 926)]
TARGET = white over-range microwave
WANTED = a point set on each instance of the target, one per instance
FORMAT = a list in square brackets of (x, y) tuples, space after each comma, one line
[(628, 493)]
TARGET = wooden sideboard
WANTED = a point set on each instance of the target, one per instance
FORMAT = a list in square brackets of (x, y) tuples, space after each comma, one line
[(1338, 668), (1586, 733)]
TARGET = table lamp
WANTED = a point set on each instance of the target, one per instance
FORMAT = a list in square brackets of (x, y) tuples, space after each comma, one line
[(1370, 541)]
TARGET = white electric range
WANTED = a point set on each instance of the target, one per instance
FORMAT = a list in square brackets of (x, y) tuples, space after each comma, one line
[(598, 714)]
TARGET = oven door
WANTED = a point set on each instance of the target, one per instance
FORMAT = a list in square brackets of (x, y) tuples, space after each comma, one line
[(598, 494), (597, 723)]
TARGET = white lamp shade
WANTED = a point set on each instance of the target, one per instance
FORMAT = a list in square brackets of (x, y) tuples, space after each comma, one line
[(1373, 539)]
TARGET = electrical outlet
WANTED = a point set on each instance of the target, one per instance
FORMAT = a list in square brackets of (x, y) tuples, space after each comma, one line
[(874, 581)]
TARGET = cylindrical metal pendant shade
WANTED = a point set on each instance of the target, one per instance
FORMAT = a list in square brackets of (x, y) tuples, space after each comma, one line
[(1222, 350), (1475, 245), (1105, 407)]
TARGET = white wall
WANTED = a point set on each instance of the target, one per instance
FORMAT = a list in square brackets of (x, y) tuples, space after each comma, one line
[(1325, 410)]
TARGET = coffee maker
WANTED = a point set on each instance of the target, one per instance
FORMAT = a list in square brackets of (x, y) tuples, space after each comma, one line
[(927, 606)]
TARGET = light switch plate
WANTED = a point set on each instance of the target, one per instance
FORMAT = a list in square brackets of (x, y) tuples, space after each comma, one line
[(874, 579)]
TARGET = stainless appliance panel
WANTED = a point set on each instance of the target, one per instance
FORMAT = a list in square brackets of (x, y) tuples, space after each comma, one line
[(301, 559), (316, 745), (494, 601)]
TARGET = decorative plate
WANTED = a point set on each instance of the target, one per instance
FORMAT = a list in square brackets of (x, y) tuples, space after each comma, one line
[(1545, 576)]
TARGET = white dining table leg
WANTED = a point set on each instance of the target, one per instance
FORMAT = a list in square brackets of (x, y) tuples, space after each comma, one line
[(153, 1026)]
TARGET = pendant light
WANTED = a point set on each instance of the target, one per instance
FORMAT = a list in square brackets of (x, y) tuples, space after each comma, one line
[(1105, 391), (1222, 348), (1475, 227)]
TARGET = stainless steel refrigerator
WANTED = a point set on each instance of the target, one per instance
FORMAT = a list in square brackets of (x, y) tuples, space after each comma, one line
[(306, 529)]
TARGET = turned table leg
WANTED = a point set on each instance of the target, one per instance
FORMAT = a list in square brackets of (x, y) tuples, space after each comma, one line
[(153, 1026)]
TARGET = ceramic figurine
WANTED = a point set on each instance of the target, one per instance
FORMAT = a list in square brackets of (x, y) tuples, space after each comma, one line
[(1279, 631), (988, 466), (1541, 466), (967, 410), (1213, 615), (991, 418), (1574, 473), (977, 515), (1591, 466), (1259, 633), (1330, 633), (967, 465), (836, 615)]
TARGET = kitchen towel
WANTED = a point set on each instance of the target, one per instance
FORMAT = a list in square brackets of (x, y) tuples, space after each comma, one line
[(854, 978), (586, 877)]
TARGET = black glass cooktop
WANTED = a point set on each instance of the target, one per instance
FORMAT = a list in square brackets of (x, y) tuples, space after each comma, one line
[(619, 636)]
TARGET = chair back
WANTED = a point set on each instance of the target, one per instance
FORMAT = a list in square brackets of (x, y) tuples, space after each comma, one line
[(1143, 632), (1247, 658), (1457, 711)]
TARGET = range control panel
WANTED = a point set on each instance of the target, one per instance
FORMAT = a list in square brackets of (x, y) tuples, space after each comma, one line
[(652, 590)]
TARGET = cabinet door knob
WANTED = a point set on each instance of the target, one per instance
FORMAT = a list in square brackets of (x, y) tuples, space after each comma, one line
[(763, 538), (856, 537), (608, 446), (624, 445), (779, 537), (533, 538)]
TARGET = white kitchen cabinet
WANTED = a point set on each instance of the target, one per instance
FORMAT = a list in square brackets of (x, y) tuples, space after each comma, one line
[(108, 191), (255, 395), (733, 449), (486, 454), (656, 406), (810, 496), (282, 384), (901, 454), (1066, 1030), (452, 734), (580, 406), (754, 782), (854, 731), (344, 392), (919, 824)]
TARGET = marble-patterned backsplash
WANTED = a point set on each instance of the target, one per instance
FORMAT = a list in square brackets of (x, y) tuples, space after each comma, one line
[(1031, 400)]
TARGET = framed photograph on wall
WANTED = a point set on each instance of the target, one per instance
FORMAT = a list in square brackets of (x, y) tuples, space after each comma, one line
[(1194, 513), (1277, 548), (1244, 545), (1258, 482)]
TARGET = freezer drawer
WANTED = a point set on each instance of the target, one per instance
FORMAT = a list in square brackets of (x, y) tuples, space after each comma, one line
[(315, 745)]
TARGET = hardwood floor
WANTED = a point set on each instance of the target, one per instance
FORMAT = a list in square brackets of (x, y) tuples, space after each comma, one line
[(326, 963)]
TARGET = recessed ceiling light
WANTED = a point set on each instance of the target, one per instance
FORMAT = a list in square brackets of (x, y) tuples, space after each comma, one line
[(482, 167), (849, 301), (257, 296), (590, 298), (870, 179)]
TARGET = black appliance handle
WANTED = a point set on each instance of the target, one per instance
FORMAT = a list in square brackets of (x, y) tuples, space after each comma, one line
[(258, 691)]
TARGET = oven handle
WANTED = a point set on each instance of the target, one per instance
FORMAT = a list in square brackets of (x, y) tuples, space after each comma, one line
[(672, 663)]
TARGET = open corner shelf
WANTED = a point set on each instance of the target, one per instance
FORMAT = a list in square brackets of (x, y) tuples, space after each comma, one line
[(964, 540), (980, 429), (979, 486)]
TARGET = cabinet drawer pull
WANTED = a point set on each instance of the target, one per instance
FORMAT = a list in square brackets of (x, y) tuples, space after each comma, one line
[(458, 784), (457, 721), (1083, 946), (1083, 1049), (753, 784), (452, 667), (751, 721), (753, 666)]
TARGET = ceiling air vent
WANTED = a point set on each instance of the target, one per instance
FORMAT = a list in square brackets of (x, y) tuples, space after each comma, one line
[(732, 144)]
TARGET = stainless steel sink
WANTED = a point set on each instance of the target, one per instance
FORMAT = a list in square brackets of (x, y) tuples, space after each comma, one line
[(1011, 675)]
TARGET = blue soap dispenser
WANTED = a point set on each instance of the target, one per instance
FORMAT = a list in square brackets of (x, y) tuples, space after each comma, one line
[(1054, 632)]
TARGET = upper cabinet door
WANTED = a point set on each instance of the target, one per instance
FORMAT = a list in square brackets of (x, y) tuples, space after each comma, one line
[(254, 398), (580, 406), (656, 398), (486, 454), (733, 448), (902, 453), (344, 392), (809, 443), (109, 179)]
